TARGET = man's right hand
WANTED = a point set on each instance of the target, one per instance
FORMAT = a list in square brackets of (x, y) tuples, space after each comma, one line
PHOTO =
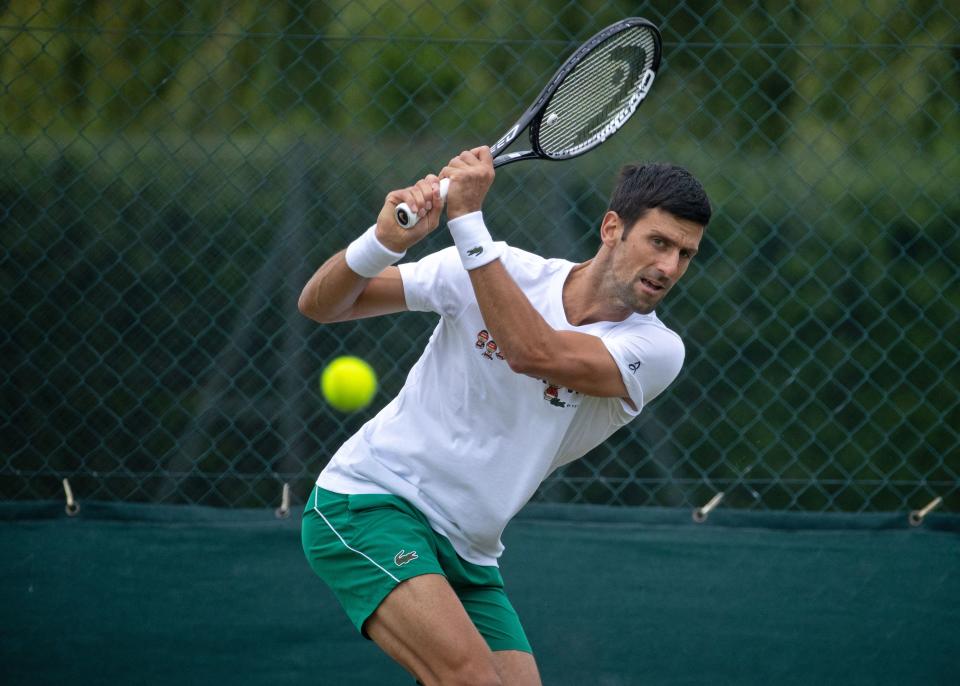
[(423, 198), (471, 175)]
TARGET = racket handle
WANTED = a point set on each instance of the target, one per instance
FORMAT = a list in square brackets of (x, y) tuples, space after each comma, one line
[(408, 219)]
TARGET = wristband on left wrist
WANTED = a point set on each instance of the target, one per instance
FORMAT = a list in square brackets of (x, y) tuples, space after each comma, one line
[(367, 256)]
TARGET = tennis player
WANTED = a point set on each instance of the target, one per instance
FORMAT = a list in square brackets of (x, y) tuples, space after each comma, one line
[(533, 362)]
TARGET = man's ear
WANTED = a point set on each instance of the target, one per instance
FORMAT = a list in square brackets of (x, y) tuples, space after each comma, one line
[(611, 229)]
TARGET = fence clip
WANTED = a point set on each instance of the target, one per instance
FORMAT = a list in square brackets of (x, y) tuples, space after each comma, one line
[(916, 516), (700, 514), (72, 508), (283, 511)]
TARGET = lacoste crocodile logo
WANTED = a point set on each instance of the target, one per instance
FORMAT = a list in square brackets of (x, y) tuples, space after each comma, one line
[(473, 252), (403, 557)]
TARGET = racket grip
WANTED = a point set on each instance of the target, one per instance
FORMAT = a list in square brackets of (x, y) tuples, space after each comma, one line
[(408, 219)]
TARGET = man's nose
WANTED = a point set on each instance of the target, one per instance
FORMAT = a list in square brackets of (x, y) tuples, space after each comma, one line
[(669, 265)]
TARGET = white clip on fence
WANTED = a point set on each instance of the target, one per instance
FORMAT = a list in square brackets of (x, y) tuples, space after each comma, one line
[(283, 511), (72, 508), (700, 514), (916, 516)]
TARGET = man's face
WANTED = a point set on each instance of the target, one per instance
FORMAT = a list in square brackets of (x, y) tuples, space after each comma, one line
[(652, 258)]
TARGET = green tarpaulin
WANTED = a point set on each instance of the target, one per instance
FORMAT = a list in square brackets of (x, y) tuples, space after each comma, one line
[(138, 594)]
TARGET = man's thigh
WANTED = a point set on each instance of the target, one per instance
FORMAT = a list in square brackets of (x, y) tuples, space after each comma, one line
[(422, 625), (363, 546)]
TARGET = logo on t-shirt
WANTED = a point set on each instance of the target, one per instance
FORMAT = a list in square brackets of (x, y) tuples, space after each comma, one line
[(634, 366), (558, 396), (487, 345)]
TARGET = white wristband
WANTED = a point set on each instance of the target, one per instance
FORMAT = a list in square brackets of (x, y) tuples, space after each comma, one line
[(367, 256), (473, 240)]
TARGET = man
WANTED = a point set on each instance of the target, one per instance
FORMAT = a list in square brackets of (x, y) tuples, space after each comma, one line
[(533, 363)]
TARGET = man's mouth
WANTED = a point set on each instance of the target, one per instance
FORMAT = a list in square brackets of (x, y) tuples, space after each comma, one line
[(651, 285)]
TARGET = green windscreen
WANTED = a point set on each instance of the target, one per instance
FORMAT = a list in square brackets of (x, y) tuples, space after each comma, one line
[(127, 594)]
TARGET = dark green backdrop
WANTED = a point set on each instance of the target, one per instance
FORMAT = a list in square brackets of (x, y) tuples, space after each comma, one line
[(151, 595)]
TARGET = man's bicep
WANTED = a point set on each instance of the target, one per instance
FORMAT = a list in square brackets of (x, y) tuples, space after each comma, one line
[(382, 295)]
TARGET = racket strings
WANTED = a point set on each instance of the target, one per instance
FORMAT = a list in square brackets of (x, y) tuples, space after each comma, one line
[(599, 94)]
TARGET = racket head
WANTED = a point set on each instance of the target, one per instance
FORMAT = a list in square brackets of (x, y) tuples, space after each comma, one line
[(596, 90)]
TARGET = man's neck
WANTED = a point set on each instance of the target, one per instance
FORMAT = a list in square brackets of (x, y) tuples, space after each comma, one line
[(586, 299)]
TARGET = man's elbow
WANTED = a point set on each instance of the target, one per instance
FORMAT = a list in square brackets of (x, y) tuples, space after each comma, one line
[(524, 360), (309, 307), (304, 304)]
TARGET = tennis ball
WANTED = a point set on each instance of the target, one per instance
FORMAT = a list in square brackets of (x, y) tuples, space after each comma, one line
[(348, 383)]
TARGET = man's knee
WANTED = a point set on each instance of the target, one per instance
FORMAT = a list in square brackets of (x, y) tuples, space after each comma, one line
[(473, 671)]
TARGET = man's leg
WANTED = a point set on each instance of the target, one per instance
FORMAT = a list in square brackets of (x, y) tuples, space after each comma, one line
[(516, 668), (351, 543), (422, 625)]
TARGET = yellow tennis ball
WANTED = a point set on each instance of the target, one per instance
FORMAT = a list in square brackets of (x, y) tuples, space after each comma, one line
[(348, 383)]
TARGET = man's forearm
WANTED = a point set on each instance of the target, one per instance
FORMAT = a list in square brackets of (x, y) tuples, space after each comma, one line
[(521, 332), (331, 291)]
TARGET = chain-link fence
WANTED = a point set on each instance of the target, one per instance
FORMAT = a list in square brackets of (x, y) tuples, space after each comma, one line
[(173, 172)]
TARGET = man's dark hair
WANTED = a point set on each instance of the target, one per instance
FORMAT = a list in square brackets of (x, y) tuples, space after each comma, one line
[(642, 187)]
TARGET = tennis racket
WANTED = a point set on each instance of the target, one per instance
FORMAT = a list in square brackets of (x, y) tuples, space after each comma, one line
[(589, 99)]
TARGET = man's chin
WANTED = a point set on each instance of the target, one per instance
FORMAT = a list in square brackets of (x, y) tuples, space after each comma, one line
[(645, 299), (647, 303), (645, 307)]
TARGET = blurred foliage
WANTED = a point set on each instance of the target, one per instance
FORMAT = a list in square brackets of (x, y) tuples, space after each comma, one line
[(175, 171)]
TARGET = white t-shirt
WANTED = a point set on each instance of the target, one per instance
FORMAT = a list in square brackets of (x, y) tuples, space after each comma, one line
[(467, 440)]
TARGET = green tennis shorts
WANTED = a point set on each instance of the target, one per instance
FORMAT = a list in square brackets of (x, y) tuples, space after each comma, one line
[(363, 546)]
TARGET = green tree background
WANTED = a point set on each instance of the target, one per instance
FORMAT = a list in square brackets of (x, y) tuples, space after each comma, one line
[(174, 171)]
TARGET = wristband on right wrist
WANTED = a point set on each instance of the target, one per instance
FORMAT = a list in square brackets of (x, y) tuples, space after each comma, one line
[(473, 240)]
